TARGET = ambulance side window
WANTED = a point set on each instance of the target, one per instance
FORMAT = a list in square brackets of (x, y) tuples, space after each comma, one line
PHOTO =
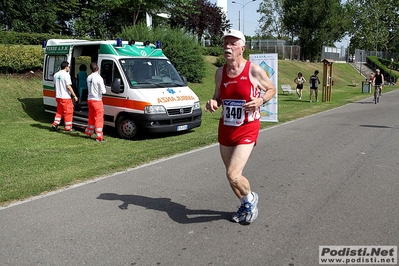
[(53, 65), (109, 72), (106, 72)]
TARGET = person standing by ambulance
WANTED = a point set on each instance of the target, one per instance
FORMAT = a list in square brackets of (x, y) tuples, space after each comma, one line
[(63, 93), (96, 88), (238, 86)]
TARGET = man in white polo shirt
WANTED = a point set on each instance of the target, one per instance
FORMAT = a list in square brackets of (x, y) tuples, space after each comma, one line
[(63, 93)]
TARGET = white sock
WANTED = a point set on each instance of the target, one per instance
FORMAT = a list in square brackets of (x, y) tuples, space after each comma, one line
[(247, 198)]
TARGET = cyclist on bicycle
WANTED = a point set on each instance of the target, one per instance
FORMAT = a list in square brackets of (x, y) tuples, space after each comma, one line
[(378, 80)]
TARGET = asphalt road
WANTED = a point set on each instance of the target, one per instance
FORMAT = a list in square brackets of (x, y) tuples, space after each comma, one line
[(327, 179)]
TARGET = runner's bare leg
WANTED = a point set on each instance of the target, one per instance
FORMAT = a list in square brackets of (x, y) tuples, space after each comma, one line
[(235, 159)]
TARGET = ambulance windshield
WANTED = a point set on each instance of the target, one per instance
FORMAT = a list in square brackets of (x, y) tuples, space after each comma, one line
[(150, 73)]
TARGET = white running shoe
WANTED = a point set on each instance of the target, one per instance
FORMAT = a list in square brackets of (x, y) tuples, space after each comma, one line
[(252, 212), (247, 212), (240, 215)]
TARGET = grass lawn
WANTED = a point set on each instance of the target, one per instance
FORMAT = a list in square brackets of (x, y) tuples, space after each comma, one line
[(35, 160)]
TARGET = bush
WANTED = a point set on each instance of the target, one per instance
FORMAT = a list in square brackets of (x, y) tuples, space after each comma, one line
[(21, 52), (12, 37), (20, 58), (379, 63), (220, 61), (182, 49), (212, 51)]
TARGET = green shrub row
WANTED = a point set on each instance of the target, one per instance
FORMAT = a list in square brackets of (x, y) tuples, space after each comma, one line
[(12, 37), (376, 62), (212, 51), (182, 50), (20, 58), (21, 52), (389, 64)]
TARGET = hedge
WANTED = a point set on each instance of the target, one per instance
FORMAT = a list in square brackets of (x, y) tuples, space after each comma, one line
[(20, 58), (384, 66)]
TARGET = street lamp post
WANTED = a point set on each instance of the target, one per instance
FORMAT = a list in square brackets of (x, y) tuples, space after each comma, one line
[(239, 21), (376, 40), (390, 73), (243, 13), (361, 62)]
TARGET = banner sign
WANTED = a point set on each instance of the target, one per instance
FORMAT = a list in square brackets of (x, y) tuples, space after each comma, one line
[(269, 63)]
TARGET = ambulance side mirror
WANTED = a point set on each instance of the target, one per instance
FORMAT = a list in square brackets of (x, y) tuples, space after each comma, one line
[(184, 80), (116, 86)]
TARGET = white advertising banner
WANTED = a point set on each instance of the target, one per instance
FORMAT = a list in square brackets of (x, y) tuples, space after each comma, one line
[(269, 63)]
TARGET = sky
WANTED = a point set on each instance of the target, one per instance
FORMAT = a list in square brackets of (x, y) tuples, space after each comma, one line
[(249, 17), (247, 11)]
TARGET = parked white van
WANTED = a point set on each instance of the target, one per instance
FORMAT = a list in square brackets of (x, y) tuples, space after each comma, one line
[(145, 93)]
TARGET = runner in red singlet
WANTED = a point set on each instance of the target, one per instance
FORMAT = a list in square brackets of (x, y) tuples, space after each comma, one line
[(238, 86)]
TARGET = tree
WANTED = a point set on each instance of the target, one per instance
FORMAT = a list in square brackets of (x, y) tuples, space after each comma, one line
[(374, 24), (65, 11), (83, 18), (182, 50), (134, 11), (28, 16), (271, 24), (94, 19), (108, 17), (207, 18), (314, 24)]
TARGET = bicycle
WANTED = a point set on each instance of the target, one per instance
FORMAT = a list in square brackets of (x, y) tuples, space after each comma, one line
[(377, 93)]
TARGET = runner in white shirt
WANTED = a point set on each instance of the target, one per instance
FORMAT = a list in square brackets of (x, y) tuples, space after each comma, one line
[(299, 80)]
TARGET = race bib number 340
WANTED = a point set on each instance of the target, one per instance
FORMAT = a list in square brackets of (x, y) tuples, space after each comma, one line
[(233, 112)]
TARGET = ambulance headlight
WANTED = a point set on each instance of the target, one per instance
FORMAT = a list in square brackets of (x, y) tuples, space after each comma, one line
[(196, 106), (154, 109)]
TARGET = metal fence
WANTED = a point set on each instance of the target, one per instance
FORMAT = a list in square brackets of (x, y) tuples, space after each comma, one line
[(361, 55), (280, 47), (293, 52), (361, 59), (341, 54), (334, 53)]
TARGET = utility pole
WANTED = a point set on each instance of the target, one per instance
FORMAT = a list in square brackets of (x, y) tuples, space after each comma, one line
[(243, 13)]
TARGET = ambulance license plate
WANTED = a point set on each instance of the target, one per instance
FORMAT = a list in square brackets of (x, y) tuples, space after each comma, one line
[(181, 128)]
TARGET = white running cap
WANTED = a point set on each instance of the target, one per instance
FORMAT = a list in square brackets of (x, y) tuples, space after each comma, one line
[(235, 33)]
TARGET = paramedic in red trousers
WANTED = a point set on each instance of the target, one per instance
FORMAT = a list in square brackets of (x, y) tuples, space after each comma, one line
[(238, 86), (63, 94), (96, 89)]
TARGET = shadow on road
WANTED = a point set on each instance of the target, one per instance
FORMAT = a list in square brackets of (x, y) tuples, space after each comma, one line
[(375, 126), (365, 102), (177, 212)]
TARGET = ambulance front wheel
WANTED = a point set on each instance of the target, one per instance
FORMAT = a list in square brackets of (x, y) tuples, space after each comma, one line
[(126, 127)]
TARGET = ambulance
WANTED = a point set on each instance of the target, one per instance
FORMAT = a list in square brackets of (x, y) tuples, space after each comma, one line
[(145, 93)]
